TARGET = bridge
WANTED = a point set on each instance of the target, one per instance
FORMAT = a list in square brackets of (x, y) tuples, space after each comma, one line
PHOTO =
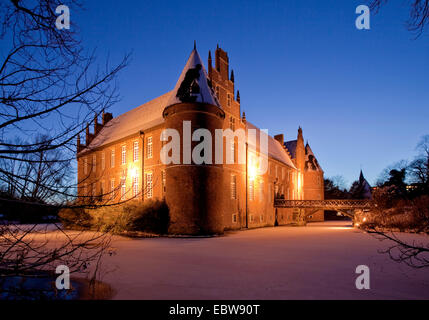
[(346, 207)]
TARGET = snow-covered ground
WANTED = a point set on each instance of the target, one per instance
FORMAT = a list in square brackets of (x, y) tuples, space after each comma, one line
[(313, 262)]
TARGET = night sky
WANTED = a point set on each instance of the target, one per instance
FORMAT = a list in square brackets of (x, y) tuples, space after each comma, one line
[(361, 96)]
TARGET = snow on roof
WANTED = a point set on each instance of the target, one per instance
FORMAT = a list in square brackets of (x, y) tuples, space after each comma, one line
[(275, 149), (291, 147), (193, 85), (143, 117)]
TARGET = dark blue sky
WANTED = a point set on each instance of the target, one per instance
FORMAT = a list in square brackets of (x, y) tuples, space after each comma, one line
[(361, 97)]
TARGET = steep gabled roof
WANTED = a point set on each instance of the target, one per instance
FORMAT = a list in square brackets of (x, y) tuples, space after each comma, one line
[(143, 117), (275, 149), (291, 147), (193, 84)]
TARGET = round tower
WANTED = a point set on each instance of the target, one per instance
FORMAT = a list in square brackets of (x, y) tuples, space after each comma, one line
[(193, 189)]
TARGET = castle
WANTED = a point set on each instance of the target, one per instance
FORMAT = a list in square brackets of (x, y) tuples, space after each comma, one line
[(121, 159)]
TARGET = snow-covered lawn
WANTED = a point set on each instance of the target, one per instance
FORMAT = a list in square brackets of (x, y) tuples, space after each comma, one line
[(313, 262)]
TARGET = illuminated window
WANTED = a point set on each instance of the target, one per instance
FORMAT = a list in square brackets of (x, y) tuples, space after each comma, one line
[(103, 161), (233, 187), (232, 123), (149, 185), (94, 163), (232, 156), (136, 151), (112, 189), (123, 189), (149, 148), (85, 165), (251, 189), (112, 158), (164, 181), (135, 186), (124, 155)]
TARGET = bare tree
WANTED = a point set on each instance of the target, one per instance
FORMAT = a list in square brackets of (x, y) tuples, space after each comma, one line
[(419, 14), (416, 205), (50, 88)]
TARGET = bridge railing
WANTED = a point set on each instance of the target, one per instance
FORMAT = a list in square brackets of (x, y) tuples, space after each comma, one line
[(324, 204)]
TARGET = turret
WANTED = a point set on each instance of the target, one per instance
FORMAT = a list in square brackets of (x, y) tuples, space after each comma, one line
[(193, 106), (300, 151)]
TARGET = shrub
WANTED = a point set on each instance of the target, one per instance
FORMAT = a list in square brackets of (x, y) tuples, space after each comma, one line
[(75, 218), (149, 216)]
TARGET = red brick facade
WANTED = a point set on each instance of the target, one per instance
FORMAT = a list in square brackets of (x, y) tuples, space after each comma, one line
[(227, 200)]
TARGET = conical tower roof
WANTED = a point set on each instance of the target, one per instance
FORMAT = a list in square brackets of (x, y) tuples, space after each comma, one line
[(193, 84)]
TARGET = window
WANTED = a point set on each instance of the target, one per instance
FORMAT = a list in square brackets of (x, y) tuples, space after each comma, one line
[(123, 188), (251, 189), (164, 181), (102, 190), (277, 171), (112, 158), (112, 189), (94, 163), (124, 155), (261, 217), (149, 185), (135, 186), (251, 218), (93, 191), (217, 92), (234, 218), (149, 148), (136, 151), (233, 151), (85, 165), (261, 190), (283, 173), (228, 99), (103, 161), (233, 187), (232, 123)]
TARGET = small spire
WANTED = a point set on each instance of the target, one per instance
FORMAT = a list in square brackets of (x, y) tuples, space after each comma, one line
[(210, 55), (361, 177), (238, 96), (300, 134), (232, 75), (243, 118), (195, 44)]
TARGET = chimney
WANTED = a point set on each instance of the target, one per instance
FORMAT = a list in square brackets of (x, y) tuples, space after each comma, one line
[(280, 138), (106, 117), (89, 136), (79, 146), (97, 126)]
